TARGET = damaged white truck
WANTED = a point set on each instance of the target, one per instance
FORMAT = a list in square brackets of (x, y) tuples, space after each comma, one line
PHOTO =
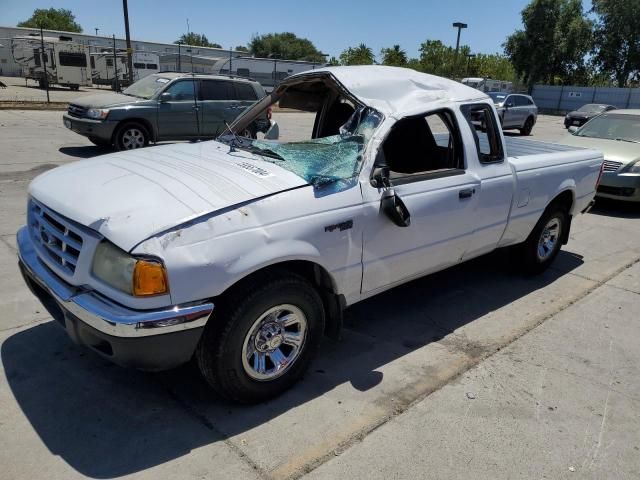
[(242, 253)]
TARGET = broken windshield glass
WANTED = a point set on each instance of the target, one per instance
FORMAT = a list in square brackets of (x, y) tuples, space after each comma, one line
[(328, 159)]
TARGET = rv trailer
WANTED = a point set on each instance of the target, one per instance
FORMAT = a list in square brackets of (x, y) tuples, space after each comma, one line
[(67, 63), (488, 85), (105, 67), (269, 72)]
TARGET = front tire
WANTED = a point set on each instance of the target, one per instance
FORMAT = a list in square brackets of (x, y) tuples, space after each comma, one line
[(131, 136), (543, 244), (262, 339)]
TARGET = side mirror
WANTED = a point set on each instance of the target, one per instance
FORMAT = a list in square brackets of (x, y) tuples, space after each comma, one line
[(165, 97), (380, 176), (394, 208), (573, 129)]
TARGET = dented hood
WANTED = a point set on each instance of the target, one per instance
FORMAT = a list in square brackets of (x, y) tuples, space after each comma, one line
[(130, 196)]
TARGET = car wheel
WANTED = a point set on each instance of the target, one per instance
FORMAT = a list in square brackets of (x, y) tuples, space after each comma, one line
[(249, 132), (544, 242), (528, 126), (262, 339), (131, 136), (99, 141)]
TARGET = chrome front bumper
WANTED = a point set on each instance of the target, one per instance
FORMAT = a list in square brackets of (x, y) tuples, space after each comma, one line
[(109, 328)]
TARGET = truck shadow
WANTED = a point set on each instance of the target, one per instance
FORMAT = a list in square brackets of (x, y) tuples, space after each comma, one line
[(85, 151), (613, 208), (105, 421)]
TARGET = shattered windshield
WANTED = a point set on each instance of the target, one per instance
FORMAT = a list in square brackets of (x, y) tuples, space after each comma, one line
[(328, 159)]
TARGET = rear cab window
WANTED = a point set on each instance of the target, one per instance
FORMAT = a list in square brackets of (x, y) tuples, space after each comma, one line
[(216, 90), (485, 130)]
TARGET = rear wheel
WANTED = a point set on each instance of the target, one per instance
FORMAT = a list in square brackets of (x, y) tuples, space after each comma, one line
[(528, 126), (543, 244), (262, 339), (131, 136)]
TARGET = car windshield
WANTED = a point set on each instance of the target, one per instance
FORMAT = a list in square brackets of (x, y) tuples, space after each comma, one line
[(497, 97), (147, 87), (592, 108), (328, 159), (613, 126)]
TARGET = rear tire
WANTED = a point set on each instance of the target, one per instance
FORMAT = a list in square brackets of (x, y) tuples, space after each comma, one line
[(130, 136), (528, 126), (246, 352), (542, 246)]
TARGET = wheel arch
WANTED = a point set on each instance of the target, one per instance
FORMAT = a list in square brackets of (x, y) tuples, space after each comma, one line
[(142, 121), (565, 199), (333, 302)]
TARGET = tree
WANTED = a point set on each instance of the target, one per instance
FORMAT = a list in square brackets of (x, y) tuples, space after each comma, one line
[(241, 48), (284, 45), (196, 40), (394, 56), (333, 62), (439, 59), (554, 43), (360, 55), (52, 19), (491, 66), (617, 39)]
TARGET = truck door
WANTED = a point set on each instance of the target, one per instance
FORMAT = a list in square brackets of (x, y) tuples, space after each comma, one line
[(177, 111), (485, 149), (428, 171)]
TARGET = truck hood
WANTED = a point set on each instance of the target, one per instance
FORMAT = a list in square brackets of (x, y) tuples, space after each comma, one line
[(104, 100), (130, 196), (613, 150)]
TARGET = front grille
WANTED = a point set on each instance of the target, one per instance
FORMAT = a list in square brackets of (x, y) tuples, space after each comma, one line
[(59, 240), (76, 110), (618, 191), (610, 166)]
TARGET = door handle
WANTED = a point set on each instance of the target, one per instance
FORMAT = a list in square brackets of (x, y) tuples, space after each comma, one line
[(466, 193)]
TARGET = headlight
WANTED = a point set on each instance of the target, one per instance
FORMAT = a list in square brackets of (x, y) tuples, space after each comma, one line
[(134, 276), (98, 113)]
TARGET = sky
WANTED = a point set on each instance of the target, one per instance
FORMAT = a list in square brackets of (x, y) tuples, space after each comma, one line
[(332, 25)]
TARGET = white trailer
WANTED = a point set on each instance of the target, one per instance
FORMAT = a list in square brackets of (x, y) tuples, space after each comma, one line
[(488, 84), (105, 66), (67, 62), (269, 72)]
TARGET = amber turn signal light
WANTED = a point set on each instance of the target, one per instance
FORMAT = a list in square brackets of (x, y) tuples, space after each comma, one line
[(149, 278)]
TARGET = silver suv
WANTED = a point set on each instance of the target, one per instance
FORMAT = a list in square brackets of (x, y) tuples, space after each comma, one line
[(516, 111), (166, 106)]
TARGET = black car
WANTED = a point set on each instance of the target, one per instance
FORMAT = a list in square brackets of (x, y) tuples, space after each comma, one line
[(585, 113)]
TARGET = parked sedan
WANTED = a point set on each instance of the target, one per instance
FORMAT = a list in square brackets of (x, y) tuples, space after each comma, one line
[(167, 106), (617, 135), (579, 117), (516, 111)]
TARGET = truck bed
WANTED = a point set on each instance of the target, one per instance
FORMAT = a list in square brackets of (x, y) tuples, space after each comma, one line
[(520, 147)]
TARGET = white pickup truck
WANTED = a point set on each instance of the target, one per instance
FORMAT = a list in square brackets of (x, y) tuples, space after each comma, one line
[(242, 253)]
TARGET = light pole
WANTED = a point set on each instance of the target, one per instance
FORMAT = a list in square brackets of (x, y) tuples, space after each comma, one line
[(459, 26), (128, 39), (275, 57), (179, 59)]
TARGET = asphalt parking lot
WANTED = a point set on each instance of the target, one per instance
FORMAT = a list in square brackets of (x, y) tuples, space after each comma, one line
[(475, 372)]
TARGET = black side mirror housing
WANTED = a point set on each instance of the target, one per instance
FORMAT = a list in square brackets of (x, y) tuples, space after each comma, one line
[(380, 176), (165, 97), (394, 208)]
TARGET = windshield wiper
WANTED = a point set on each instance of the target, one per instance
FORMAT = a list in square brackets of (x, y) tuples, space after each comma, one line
[(620, 139), (262, 151)]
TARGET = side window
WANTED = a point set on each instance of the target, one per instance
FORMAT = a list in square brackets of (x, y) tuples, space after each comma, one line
[(422, 147), (72, 59), (485, 131), (510, 101), (217, 90), (243, 72), (109, 62), (93, 62), (138, 65), (521, 101), (244, 91), (36, 56), (182, 90), (152, 66)]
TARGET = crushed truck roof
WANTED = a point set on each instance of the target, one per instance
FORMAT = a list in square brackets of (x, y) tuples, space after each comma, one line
[(399, 92)]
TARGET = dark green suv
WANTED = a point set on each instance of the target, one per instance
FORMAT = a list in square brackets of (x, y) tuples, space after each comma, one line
[(166, 106)]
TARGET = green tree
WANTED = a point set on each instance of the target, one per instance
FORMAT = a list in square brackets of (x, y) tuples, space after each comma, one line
[(491, 66), (52, 19), (394, 56), (285, 45), (333, 62), (554, 43), (360, 55), (241, 48), (197, 40), (617, 39), (439, 59)]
